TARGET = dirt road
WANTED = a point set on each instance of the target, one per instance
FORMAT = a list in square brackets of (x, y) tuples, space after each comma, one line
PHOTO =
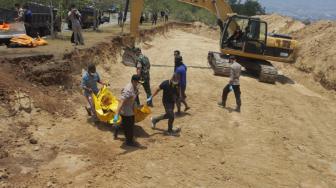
[(284, 136)]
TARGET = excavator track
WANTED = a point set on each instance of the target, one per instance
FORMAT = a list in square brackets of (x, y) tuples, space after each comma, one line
[(219, 64), (268, 74), (129, 57)]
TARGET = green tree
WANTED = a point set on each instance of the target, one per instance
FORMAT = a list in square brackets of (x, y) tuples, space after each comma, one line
[(248, 8)]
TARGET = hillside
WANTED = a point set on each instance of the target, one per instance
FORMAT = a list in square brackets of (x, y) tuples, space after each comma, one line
[(316, 48), (316, 52)]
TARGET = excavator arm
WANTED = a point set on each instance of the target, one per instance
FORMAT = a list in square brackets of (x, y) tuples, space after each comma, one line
[(218, 7), (136, 10)]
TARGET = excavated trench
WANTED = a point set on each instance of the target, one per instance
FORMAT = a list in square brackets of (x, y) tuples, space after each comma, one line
[(29, 85), (48, 150), (42, 76)]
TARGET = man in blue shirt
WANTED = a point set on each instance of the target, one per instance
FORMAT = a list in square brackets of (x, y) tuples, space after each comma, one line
[(181, 71), (89, 84)]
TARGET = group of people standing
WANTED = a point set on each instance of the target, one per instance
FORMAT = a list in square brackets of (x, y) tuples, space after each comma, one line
[(174, 93), (164, 16)]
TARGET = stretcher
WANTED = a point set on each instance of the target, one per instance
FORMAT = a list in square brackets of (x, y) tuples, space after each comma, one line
[(106, 104)]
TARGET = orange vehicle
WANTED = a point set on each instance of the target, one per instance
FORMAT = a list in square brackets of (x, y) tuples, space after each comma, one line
[(4, 26)]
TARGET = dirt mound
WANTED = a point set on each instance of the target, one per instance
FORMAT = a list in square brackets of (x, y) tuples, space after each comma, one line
[(282, 24), (316, 49), (202, 29), (316, 52)]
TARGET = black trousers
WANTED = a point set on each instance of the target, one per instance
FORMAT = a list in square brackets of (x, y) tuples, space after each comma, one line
[(127, 123), (182, 98), (169, 109), (28, 28), (236, 90), (146, 86), (154, 21)]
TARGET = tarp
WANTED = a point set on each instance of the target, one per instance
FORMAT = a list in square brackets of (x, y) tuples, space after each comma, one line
[(106, 104), (27, 41)]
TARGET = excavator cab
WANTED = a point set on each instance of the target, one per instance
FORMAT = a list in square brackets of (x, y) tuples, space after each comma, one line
[(245, 37), (244, 34)]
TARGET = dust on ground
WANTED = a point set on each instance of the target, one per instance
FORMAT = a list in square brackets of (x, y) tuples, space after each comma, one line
[(284, 136)]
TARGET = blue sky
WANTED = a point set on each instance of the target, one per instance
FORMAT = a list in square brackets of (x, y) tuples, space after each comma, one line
[(304, 9)]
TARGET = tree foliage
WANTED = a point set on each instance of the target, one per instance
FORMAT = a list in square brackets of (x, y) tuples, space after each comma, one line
[(186, 12), (248, 8), (177, 10)]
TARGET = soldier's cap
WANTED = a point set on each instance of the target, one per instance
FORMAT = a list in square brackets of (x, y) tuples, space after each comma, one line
[(137, 78)]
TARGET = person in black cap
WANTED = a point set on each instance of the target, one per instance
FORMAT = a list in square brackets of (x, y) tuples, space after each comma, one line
[(233, 84), (170, 92), (126, 110)]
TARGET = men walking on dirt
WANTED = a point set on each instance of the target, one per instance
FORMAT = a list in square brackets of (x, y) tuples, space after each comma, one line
[(154, 18), (181, 71), (120, 18), (234, 84), (166, 16), (126, 110), (89, 85), (170, 93), (75, 18), (143, 68)]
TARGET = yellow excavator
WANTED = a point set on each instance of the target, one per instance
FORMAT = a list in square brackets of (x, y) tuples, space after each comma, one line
[(245, 37)]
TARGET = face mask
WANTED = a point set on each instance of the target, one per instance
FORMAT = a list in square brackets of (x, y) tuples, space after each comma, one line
[(174, 82), (92, 74)]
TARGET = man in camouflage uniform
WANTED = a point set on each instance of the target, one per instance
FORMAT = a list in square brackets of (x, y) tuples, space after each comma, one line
[(143, 68)]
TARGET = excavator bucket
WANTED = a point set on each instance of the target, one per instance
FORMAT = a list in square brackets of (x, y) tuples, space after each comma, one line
[(129, 57)]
